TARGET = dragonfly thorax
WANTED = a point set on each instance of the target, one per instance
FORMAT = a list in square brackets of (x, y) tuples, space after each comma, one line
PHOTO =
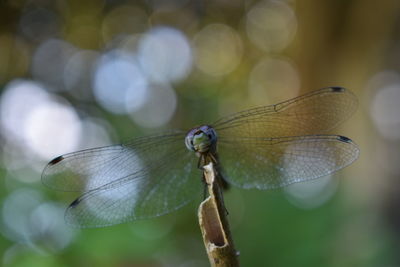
[(201, 139)]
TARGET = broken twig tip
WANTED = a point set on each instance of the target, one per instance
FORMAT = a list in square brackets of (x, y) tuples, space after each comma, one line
[(214, 223)]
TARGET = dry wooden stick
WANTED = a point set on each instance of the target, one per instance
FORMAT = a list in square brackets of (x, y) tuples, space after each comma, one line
[(214, 224)]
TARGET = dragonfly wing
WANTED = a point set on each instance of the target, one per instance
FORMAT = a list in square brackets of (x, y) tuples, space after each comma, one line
[(144, 178), (91, 168), (314, 113), (146, 194), (272, 163)]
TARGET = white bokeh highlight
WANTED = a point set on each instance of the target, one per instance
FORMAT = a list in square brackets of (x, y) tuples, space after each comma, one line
[(165, 55), (159, 107), (37, 122), (311, 194), (384, 107), (52, 129), (120, 86), (28, 219)]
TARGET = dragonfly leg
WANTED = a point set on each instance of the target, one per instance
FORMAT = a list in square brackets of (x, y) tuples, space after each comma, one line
[(201, 162), (205, 187), (224, 184), (204, 192)]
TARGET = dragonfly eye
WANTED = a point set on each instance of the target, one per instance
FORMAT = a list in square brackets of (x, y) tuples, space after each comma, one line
[(189, 141), (212, 135)]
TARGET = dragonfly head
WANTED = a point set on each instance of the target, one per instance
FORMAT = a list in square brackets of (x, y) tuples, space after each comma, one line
[(201, 139)]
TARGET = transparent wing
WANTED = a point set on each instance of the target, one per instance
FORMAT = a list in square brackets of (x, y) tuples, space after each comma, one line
[(272, 163), (91, 168), (145, 178), (313, 113)]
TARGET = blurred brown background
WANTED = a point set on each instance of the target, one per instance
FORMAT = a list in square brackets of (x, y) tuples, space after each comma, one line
[(79, 74)]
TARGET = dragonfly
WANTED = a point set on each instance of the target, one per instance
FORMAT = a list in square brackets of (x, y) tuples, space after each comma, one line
[(265, 147)]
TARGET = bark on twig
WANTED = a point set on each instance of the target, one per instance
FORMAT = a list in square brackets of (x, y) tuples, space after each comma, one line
[(214, 224)]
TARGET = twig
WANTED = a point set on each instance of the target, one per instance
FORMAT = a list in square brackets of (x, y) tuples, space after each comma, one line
[(214, 224)]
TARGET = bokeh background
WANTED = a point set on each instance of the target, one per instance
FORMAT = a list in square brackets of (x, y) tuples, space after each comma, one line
[(79, 74)]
